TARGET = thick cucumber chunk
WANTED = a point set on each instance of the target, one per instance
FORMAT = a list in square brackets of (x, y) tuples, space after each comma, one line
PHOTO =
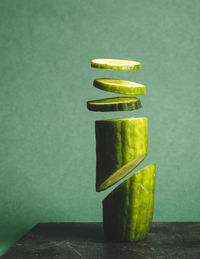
[(121, 144), (120, 86), (128, 209), (116, 64), (114, 104)]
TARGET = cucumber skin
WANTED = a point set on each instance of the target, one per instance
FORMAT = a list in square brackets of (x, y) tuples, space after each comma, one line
[(128, 209), (120, 89), (129, 106), (118, 141)]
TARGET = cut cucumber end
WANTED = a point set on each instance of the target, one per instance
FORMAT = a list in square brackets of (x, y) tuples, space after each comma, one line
[(119, 86), (119, 174), (116, 64), (114, 104)]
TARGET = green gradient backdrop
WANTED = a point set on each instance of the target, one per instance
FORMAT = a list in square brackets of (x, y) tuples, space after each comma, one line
[(47, 141)]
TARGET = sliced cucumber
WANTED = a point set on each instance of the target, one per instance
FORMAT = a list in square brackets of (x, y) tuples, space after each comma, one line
[(120, 86), (116, 64), (128, 209), (121, 144), (114, 104)]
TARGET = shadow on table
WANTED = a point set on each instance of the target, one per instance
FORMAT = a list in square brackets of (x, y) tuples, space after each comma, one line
[(71, 231)]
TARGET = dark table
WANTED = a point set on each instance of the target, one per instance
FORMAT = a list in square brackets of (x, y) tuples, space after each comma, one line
[(86, 241)]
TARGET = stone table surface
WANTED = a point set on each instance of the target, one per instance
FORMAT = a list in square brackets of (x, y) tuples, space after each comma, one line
[(86, 240)]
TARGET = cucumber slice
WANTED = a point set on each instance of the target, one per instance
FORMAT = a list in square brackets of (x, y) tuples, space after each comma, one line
[(114, 104), (116, 64), (121, 144), (128, 209), (119, 86)]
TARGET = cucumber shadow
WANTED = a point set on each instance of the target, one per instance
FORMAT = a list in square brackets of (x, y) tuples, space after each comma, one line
[(81, 232)]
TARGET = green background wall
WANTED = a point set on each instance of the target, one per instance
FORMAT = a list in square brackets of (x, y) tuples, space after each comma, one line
[(47, 141)]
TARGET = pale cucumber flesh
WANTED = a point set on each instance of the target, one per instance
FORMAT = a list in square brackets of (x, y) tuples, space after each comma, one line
[(119, 86), (116, 64)]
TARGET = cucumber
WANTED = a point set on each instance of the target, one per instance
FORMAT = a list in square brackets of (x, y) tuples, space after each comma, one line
[(128, 209), (116, 64), (121, 144), (119, 86), (114, 104)]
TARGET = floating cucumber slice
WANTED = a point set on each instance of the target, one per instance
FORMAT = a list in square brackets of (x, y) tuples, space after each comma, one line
[(116, 64), (115, 104), (128, 209), (119, 86), (121, 144)]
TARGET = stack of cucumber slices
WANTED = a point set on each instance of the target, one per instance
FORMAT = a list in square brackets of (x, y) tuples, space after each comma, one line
[(121, 145)]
